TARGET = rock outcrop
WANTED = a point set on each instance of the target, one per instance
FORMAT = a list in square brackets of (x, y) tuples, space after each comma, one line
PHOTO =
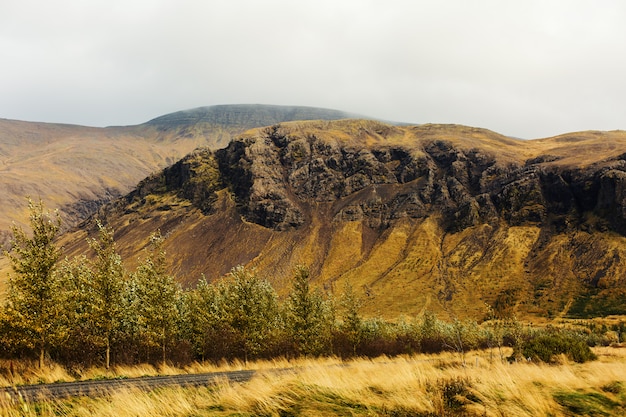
[(438, 217), (76, 168)]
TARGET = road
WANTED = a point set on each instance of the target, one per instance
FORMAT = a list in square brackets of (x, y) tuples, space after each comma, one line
[(105, 386)]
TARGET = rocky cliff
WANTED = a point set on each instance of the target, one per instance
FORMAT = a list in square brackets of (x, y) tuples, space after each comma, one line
[(78, 168), (440, 217)]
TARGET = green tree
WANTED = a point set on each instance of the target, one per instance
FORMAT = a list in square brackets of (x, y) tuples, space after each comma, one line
[(33, 293), (251, 310), (76, 277), (495, 331), (352, 321), (432, 333), (205, 320), (461, 336), (156, 294), (308, 316), (106, 290)]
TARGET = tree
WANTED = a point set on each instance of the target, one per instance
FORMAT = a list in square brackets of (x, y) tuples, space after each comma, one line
[(462, 336), (155, 294), (250, 309), (352, 322), (33, 291), (76, 277), (205, 323), (495, 331), (431, 333), (308, 317), (106, 290)]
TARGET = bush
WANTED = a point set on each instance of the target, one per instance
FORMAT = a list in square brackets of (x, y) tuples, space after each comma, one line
[(546, 347)]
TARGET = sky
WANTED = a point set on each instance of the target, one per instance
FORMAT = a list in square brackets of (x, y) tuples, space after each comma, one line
[(527, 69)]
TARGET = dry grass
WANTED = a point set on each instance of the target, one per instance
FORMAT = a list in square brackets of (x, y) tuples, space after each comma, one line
[(437, 385), (21, 372), (14, 372)]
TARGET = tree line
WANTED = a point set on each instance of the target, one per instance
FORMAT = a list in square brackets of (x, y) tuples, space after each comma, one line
[(93, 311)]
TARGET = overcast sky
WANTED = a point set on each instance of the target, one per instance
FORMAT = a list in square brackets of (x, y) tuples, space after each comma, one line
[(522, 68)]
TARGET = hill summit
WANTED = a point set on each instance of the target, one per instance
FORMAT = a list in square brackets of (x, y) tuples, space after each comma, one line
[(246, 115), (78, 168), (444, 218)]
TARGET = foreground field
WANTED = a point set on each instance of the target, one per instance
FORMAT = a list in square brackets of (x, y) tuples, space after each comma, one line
[(438, 385)]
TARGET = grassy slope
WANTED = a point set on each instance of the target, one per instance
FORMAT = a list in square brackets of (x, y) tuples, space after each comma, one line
[(410, 267), (63, 164), (405, 269), (73, 167)]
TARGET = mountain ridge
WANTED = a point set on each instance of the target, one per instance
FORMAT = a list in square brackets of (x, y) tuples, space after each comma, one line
[(247, 114), (77, 168), (441, 217), (437, 217)]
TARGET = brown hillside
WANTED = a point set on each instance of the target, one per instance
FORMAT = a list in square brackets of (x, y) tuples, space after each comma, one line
[(77, 168), (438, 217), (74, 167)]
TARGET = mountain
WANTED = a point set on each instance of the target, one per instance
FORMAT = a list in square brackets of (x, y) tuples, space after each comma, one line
[(78, 168), (444, 218), (223, 123)]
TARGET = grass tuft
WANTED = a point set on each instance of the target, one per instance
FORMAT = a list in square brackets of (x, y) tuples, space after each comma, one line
[(587, 403)]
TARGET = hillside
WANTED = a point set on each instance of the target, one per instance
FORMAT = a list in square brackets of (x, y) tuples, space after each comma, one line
[(224, 122), (77, 168), (438, 217)]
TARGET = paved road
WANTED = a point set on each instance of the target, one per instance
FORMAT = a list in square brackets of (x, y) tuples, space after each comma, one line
[(102, 387)]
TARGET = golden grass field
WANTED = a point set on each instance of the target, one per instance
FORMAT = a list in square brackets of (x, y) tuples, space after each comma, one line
[(435, 385)]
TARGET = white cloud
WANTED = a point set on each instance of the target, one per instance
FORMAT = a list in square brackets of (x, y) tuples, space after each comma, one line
[(528, 69)]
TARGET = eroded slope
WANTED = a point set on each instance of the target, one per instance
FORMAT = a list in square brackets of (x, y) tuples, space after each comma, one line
[(438, 217)]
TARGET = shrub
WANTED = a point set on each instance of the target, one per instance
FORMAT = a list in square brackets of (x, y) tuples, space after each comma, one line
[(546, 347)]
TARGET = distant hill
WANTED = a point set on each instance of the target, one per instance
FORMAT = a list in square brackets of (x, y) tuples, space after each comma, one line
[(245, 115), (222, 123), (444, 218), (78, 168)]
